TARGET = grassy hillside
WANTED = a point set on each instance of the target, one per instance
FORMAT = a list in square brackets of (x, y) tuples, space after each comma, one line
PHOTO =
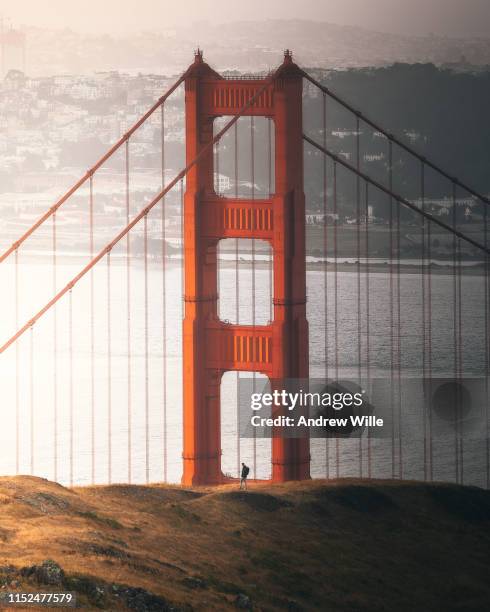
[(343, 546)]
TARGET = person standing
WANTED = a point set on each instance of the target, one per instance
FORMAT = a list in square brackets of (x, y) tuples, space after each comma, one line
[(243, 479)]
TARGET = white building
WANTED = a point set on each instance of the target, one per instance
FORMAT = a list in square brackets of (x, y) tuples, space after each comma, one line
[(221, 182)]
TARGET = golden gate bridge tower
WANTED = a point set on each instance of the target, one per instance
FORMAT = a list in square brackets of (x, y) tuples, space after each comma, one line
[(210, 346)]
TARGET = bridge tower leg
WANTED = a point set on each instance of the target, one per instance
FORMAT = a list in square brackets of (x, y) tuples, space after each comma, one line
[(210, 346)]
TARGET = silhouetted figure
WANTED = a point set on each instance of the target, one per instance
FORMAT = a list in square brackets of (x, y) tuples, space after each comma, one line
[(243, 479)]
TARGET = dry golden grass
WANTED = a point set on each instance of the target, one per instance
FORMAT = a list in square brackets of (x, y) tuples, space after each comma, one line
[(338, 545)]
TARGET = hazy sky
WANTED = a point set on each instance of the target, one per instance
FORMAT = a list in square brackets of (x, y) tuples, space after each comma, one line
[(452, 17)]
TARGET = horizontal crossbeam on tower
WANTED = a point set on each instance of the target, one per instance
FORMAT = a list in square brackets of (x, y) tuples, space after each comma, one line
[(245, 348), (237, 218)]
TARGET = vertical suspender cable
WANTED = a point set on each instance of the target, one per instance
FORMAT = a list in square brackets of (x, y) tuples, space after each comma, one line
[(325, 241), (455, 335), (358, 273), (109, 371), (460, 365), (429, 348), (164, 298), (70, 381), (128, 319), (237, 294), (218, 193), (55, 354), (147, 402), (92, 331), (399, 340), (486, 346), (31, 394), (325, 268), (336, 304), (269, 157), (368, 327), (269, 176), (216, 174), (182, 271), (17, 382), (392, 319), (424, 323), (269, 190), (252, 177), (182, 229)]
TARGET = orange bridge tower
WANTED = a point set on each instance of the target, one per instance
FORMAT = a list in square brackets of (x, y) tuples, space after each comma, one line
[(210, 346)]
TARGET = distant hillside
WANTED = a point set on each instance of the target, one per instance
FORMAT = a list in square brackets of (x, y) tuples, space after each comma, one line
[(246, 45), (341, 546), (440, 113)]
